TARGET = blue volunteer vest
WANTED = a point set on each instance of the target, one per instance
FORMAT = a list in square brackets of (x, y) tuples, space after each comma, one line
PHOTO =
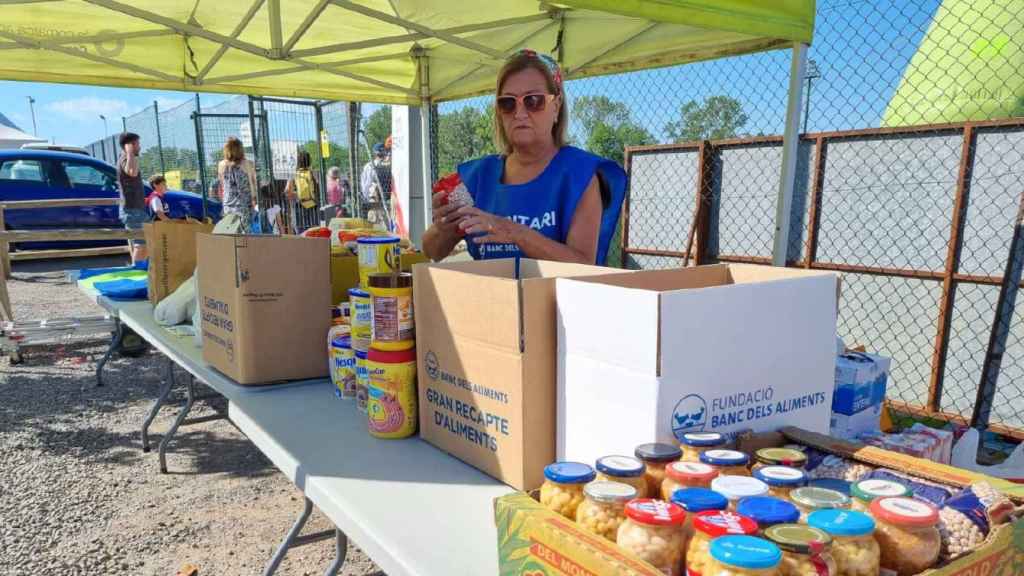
[(546, 203)]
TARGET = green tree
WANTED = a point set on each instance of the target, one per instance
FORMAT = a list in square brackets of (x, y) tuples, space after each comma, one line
[(378, 126), (608, 127), (718, 117), (462, 135)]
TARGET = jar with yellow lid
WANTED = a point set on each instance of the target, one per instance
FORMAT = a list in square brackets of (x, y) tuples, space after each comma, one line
[(707, 526), (781, 480), (743, 556), (867, 491), (811, 498), (562, 490), (686, 475), (727, 462), (655, 457), (907, 534), (624, 469), (779, 457), (693, 444), (853, 540), (806, 551), (653, 532), (603, 508)]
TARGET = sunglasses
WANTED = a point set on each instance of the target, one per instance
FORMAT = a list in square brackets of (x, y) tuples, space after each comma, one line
[(530, 102)]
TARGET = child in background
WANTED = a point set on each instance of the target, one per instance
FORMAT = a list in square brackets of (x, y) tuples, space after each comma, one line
[(156, 199)]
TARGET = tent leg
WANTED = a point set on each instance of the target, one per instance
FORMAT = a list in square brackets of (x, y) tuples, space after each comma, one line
[(790, 150)]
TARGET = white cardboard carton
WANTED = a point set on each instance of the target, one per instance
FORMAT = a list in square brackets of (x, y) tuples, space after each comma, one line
[(648, 356)]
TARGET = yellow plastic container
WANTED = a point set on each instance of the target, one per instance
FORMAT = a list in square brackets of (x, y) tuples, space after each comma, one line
[(394, 327), (391, 410), (362, 318), (377, 254)]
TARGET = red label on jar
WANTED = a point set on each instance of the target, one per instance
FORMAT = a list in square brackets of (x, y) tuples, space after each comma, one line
[(820, 566), (692, 572)]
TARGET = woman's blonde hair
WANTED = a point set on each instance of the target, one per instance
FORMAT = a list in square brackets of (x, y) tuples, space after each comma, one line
[(526, 60), (233, 150)]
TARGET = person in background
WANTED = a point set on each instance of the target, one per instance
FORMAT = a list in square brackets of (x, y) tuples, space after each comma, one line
[(131, 205), (303, 189), (156, 200), (236, 177), (368, 185), (539, 198), (335, 192)]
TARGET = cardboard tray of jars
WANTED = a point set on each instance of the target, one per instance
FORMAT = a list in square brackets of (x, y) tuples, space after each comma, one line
[(980, 528)]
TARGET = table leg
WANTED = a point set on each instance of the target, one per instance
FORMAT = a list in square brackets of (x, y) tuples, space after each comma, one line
[(282, 549), (190, 392), (115, 342), (340, 552), (165, 391)]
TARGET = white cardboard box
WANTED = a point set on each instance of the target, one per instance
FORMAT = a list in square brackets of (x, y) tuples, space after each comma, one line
[(648, 356)]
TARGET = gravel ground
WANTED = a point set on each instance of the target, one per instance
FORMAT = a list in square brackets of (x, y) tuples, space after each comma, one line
[(78, 495)]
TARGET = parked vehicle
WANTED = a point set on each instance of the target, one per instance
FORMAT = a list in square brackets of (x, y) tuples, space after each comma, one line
[(49, 175), (55, 148)]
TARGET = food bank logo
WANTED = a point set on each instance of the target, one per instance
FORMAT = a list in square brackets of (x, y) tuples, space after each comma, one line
[(689, 415), (433, 366)]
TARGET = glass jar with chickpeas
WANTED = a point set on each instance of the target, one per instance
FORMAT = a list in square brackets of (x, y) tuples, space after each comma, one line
[(907, 534), (768, 511), (603, 508), (867, 491), (653, 532), (853, 540), (806, 551), (779, 457), (743, 556), (812, 498), (562, 490), (781, 480), (727, 462), (625, 469), (693, 444), (686, 475), (736, 488), (707, 526), (655, 457), (695, 500)]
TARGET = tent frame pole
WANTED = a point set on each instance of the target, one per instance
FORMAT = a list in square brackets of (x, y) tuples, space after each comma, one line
[(426, 179), (790, 150)]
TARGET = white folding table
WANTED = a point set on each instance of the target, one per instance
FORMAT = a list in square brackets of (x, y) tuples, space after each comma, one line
[(412, 508)]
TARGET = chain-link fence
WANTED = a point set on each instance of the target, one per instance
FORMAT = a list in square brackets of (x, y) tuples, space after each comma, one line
[(908, 181)]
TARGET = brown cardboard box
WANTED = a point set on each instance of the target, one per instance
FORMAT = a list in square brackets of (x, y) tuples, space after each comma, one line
[(265, 303), (345, 272), (171, 245), (534, 540), (485, 341)]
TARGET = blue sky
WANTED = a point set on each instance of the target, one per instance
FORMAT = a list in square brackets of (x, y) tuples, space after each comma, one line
[(861, 48)]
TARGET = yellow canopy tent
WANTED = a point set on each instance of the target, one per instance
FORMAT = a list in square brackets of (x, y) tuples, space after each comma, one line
[(370, 50), (412, 52)]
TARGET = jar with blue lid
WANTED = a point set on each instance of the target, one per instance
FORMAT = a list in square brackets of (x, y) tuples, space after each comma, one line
[(624, 469), (768, 511), (727, 462), (695, 500), (854, 547), (562, 491), (693, 444), (781, 480), (743, 556)]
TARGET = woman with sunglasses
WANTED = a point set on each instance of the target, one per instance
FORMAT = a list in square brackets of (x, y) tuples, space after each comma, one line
[(539, 198)]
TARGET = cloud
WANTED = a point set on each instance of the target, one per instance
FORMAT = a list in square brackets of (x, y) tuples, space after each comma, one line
[(89, 108)]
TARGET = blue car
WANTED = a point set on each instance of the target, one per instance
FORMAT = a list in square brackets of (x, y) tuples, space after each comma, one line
[(49, 175)]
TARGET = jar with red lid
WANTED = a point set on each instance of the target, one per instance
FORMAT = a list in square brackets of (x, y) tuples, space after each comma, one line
[(686, 475), (710, 525), (653, 532), (907, 534)]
